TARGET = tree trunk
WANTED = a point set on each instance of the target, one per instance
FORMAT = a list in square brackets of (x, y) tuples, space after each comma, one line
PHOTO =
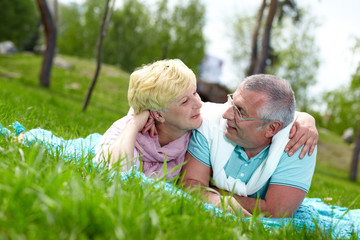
[(56, 13), (355, 158), (50, 35), (266, 38), (254, 40), (99, 53)]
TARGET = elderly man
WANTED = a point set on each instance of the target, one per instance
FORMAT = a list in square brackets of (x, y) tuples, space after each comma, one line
[(243, 150)]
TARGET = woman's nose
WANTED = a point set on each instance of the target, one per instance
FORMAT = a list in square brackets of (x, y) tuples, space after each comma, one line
[(198, 102)]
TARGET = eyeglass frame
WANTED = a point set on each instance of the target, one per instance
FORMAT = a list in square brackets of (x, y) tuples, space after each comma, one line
[(235, 108)]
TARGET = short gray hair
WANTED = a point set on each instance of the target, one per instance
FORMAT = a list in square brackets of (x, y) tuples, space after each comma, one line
[(281, 100)]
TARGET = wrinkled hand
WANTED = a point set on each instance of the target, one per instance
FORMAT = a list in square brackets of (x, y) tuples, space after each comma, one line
[(303, 132), (150, 127)]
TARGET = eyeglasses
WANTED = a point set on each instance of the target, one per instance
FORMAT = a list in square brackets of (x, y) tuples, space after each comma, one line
[(238, 114)]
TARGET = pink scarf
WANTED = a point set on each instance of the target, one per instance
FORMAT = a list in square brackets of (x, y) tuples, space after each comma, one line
[(153, 155)]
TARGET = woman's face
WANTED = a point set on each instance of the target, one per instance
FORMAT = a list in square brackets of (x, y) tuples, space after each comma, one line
[(184, 112)]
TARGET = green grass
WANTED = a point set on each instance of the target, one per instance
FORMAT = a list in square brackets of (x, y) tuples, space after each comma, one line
[(45, 197), (331, 179)]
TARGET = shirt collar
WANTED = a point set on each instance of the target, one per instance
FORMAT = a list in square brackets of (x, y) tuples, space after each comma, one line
[(241, 152)]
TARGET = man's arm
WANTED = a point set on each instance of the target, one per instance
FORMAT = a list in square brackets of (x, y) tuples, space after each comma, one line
[(280, 201), (195, 175)]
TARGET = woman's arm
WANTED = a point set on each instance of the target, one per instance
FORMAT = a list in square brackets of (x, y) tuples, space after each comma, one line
[(124, 145), (303, 132)]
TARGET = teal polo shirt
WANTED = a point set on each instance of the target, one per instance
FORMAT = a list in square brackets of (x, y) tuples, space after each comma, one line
[(291, 171)]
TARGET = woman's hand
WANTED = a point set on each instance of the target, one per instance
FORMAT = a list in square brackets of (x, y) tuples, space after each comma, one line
[(140, 120), (124, 145), (303, 132)]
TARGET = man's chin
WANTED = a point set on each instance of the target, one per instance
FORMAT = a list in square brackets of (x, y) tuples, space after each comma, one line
[(228, 135)]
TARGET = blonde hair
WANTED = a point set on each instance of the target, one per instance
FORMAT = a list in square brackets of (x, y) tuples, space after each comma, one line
[(155, 86)]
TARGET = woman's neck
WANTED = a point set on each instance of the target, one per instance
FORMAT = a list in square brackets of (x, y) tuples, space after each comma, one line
[(167, 134)]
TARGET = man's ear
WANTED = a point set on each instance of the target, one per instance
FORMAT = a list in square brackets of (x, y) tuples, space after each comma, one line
[(273, 128), (157, 116)]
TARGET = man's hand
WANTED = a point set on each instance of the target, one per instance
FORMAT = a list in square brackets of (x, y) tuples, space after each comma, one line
[(230, 204), (196, 176), (303, 132), (150, 127), (280, 201)]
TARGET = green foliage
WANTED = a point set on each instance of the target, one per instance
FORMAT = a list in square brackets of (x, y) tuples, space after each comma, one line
[(331, 178), (130, 39), (46, 197), (293, 52), (137, 33), (343, 106), (71, 34), (19, 23), (297, 58), (188, 42)]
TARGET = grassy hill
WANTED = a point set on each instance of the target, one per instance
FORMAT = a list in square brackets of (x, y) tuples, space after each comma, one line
[(40, 192)]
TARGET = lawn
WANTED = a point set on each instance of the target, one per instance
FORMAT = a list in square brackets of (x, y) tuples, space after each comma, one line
[(44, 196)]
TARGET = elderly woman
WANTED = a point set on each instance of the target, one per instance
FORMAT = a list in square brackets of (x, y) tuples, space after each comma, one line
[(165, 92)]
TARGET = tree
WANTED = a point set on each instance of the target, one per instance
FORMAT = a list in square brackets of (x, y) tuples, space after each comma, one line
[(342, 109), (102, 34), (70, 37), (265, 47), (78, 34), (291, 55), (342, 112), (138, 32), (187, 39), (260, 58), (259, 62), (130, 42), (19, 23), (295, 57), (355, 157), (355, 88), (254, 40), (50, 36)]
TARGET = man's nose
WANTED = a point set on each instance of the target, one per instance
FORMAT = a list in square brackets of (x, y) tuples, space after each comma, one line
[(229, 113)]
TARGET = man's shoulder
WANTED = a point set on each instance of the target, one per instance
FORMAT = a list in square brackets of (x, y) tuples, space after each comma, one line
[(296, 156), (294, 171), (212, 110), (212, 118)]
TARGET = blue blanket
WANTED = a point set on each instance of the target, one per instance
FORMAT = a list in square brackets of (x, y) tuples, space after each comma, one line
[(313, 213)]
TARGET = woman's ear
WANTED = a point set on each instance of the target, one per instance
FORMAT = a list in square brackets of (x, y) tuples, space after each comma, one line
[(157, 116)]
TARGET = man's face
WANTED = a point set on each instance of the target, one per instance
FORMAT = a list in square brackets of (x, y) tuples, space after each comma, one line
[(245, 133)]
